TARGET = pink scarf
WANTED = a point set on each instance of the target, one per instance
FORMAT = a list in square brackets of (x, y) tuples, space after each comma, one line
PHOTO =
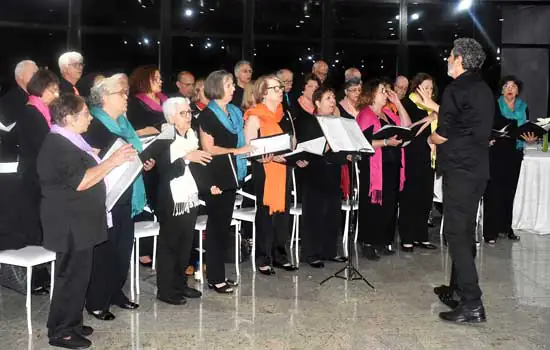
[(366, 119), (42, 108), (306, 104), (152, 103)]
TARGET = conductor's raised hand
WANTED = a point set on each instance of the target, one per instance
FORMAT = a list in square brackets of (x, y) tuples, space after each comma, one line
[(149, 164), (394, 141), (198, 156), (123, 154), (529, 137)]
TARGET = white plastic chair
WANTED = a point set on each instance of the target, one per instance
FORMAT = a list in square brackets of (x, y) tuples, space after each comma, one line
[(348, 209), (296, 212), (29, 257), (142, 229), (247, 215)]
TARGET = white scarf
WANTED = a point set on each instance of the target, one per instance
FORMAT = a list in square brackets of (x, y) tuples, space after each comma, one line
[(184, 188)]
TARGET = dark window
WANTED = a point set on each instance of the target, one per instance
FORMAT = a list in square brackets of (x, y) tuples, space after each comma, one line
[(210, 16), (366, 21), (272, 55), (38, 11), (288, 17), (121, 13)]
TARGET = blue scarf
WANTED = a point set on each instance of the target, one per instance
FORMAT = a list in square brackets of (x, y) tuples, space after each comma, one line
[(235, 125), (519, 114), (122, 128)]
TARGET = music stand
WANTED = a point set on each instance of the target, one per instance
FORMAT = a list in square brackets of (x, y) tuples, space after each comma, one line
[(345, 137)]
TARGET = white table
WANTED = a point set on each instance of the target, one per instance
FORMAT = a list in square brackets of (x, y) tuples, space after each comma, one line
[(532, 202)]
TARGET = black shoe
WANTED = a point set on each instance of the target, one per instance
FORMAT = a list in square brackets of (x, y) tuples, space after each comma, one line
[(103, 315), (227, 288), (40, 291), (446, 296), (86, 331), (128, 305), (318, 264), (338, 259), (370, 253), (285, 266), (443, 289), (266, 270), (407, 249), (385, 250), (423, 245), (190, 293), (175, 300), (75, 342), (465, 314)]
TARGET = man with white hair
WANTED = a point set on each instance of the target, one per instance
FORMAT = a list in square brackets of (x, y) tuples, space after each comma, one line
[(401, 86), (243, 75), (71, 66), (287, 78), (320, 70), (352, 73)]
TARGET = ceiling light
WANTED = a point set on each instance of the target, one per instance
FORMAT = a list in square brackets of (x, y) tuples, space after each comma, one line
[(146, 41), (389, 22), (419, 29), (297, 26), (302, 21), (188, 12), (501, 19), (415, 16), (397, 17), (390, 28), (464, 5), (306, 16), (125, 42)]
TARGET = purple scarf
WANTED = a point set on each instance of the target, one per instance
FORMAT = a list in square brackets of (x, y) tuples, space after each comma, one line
[(78, 141), (152, 103)]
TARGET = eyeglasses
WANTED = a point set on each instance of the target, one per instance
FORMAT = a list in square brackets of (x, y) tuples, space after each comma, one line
[(358, 90), (186, 114), (77, 65), (276, 88), (122, 93), (247, 71), (187, 84), (383, 90)]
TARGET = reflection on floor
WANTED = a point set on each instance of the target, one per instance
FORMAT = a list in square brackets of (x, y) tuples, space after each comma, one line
[(291, 310)]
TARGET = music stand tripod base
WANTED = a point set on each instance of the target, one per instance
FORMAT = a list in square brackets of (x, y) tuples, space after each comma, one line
[(349, 271)]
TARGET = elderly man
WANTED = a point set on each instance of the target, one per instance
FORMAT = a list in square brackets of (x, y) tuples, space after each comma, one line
[(462, 139), (71, 66), (243, 76), (185, 84), (287, 78), (320, 70), (352, 73), (400, 86)]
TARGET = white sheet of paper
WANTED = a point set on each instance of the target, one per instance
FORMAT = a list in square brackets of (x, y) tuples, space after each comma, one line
[(315, 146), (344, 134), (6, 128), (121, 177), (273, 144)]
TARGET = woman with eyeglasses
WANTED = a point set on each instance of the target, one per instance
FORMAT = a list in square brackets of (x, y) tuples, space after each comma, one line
[(33, 124), (108, 102), (382, 175), (349, 105), (272, 177)]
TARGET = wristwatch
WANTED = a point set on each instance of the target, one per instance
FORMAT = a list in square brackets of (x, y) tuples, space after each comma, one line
[(385, 142)]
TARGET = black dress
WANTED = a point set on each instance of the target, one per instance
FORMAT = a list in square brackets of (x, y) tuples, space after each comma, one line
[(377, 222), (505, 165), (272, 231), (321, 196), (74, 222), (218, 207), (112, 258), (415, 201)]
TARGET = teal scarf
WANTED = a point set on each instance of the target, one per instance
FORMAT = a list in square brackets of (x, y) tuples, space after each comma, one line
[(519, 114), (122, 128), (235, 125)]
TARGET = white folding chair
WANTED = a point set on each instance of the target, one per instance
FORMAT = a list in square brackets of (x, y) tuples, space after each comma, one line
[(296, 212), (29, 257), (8, 168), (247, 215), (142, 229), (348, 208)]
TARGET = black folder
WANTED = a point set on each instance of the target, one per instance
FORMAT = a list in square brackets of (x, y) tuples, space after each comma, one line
[(155, 149), (220, 172), (292, 158), (388, 131), (528, 127)]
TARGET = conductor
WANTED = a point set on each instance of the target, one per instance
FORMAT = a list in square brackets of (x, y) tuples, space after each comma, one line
[(462, 139)]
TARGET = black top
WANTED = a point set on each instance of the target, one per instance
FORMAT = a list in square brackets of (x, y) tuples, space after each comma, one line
[(307, 126), (32, 129), (65, 87), (503, 147), (344, 113), (390, 155), (288, 103), (11, 105), (141, 116), (238, 96), (210, 124), (418, 152), (466, 119), (98, 136), (72, 220)]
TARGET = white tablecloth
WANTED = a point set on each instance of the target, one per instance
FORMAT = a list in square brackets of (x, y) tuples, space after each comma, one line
[(532, 202)]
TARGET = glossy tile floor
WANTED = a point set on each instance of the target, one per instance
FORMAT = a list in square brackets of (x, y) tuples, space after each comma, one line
[(291, 311)]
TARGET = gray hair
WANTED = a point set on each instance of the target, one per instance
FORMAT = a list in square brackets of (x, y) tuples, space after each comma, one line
[(22, 66), (170, 105), (471, 52), (349, 73), (213, 85), (239, 65), (103, 88), (282, 71), (69, 57)]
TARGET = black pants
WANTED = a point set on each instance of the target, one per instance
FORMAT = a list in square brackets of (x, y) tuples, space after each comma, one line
[(462, 193), (415, 203), (218, 230), (321, 215), (175, 242), (377, 222), (111, 262), (72, 275), (498, 200)]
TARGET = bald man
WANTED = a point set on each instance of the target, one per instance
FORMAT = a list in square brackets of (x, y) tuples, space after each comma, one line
[(185, 84), (320, 70), (401, 86), (352, 73)]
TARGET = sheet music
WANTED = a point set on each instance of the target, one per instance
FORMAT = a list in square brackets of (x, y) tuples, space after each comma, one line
[(270, 144), (344, 134), (6, 128), (168, 132), (315, 146), (121, 177)]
